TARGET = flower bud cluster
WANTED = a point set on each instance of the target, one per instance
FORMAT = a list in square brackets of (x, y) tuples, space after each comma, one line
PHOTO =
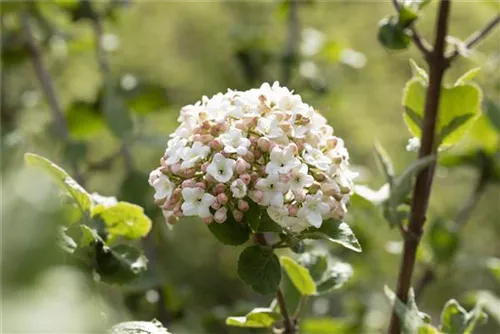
[(262, 145)]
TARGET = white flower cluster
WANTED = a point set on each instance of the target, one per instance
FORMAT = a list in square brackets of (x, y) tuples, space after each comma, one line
[(262, 145)]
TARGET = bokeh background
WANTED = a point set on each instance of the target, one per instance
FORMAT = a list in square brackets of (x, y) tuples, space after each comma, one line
[(160, 56)]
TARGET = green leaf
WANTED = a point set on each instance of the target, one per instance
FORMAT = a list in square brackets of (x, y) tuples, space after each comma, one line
[(468, 76), (257, 318), (259, 267), (230, 232), (82, 235), (146, 99), (407, 15), (456, 320), (444, 240), (139, 327), (259, 220), (409, 315), (427, 329), (385, 163), (75, 151), (123, 219), (299, 275), (490, 302), (335, 277), (414, 117), (418, 72), (119, 264), (327, 276), (455, 101), (492, 111), (324, 326), (451, 127), (116, 112), (63, 180), (335, 231), (391, 35), (402, 185)]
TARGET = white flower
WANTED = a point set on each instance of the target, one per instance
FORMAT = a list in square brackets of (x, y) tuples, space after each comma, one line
[(315, 157), (269, 127), (313, 209), (290, 103), (174, 149), (277, 214), (191, 155), (196, 202), (238, 188), (162, 185), (294, 224), (299, 178), (234, 142), (221, 168), (282, 161), (413, 144), (272, 190)]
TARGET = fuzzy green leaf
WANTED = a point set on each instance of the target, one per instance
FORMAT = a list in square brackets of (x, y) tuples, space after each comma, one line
[(456, 320), (119, 264), (259, 267)]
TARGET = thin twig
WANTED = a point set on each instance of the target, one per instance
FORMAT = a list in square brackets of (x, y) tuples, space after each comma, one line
[(293, 37), (46, 82), (476, 37), (422, 188), (418, 40), (287, 321)]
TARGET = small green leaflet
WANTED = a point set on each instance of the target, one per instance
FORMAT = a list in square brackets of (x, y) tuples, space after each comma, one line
[(259, 267), (65, 182), (257, 318)]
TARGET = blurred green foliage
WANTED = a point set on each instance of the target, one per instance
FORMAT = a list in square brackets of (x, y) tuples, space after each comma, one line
[(161, 56)]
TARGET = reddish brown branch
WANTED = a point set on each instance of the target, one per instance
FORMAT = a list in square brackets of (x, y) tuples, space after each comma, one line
[(422, 188)]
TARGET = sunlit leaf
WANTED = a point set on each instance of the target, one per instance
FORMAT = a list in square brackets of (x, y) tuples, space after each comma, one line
[(123, 219), (324, 326), (299, 275), (257, 318), (456, 320)]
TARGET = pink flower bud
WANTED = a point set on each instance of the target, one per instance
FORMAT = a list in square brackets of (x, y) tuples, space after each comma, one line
[(262, 171), (163, 163), (197, 137), (216, 145), (209, 178), (177, 211), (169, 205), (254, 176), (189, 173), (221, 215), (209, 219), (176, 194), (264, 144), (240, 125), (320, 177), (176, 169), (292, 210), (337, 159), (205, 139), (257, 154), (331, 143), (241, 166), (238, 215), (188, 183), (219, 188), (216, 205), (280, 116), (204, 167), (300, 145), (294, 148), (254, 140), (222, 198), (245, 178), (286, 127), (249, 157), (201, 185), (206, 124), (243, 205)]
